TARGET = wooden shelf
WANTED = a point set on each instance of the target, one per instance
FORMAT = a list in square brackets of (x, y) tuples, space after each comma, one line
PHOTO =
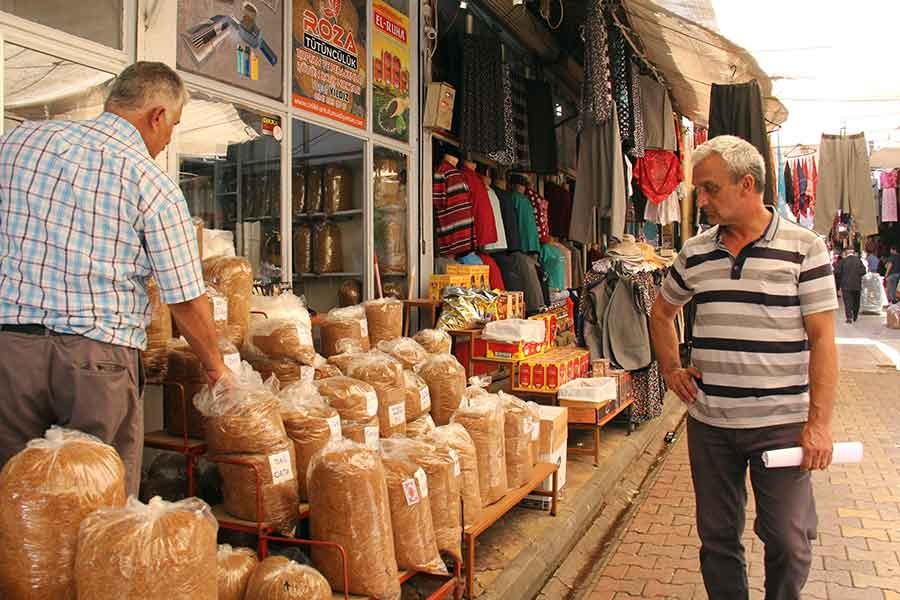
[(325, 275)]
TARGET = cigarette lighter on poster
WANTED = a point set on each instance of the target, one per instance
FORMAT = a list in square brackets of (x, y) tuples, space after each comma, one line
[(390, 40)]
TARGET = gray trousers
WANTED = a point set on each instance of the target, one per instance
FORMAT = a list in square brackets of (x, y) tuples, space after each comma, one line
[(785, 509), (844, 183), (76, 383)]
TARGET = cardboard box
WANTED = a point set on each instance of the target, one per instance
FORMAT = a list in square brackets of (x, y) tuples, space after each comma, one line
[(554, 428), (550, 322), (511, 305), (479, 275), (558, 456), (438, 283), (512, 351), (439, 100)]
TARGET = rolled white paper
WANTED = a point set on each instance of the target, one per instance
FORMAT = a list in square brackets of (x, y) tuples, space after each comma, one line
[(844, 452)]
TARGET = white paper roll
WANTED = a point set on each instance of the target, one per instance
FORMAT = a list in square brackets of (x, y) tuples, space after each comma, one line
[(844, 452)]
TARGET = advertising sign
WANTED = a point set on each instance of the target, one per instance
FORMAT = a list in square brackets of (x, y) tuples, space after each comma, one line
[(390, 71)]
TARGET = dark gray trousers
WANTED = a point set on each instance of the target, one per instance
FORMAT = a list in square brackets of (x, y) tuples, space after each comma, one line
[(785, 509), (76, 383)]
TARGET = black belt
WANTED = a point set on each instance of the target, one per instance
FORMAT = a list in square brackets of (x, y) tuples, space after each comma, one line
[(30, 329)]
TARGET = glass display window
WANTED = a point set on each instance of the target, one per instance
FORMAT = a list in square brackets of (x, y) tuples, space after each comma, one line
[(390, 220), (99, 21)]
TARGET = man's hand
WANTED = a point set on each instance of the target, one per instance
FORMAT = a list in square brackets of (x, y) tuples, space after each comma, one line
[(817, 446), (681, 381), (214, 375)]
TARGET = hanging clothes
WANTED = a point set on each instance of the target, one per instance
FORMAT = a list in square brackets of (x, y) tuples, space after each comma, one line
[(567, 259), (453, 217), (843, 183), (658, 173), (553, 263), (485, 230), (482, 126), (520, 116), (737, 109), (541, 136), (510, 218), (668, 211), (789, 188), (596, 95), (494, 274), (659, 128), (637, 108), (520, 274), (620, 71), (560, 213), (601, 180), (499, 225), (889, 196), (801, 187), (507, 155), (528, 229), (541, 214)]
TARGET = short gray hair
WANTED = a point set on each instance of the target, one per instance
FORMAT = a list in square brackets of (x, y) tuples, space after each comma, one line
[(740, 156), (144, 83)]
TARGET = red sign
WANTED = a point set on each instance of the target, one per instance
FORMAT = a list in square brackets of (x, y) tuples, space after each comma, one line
[(390, 27)]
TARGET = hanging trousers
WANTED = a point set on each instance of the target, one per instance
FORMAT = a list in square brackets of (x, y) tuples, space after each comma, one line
[(851, 304), (786, 518), (844, 183)]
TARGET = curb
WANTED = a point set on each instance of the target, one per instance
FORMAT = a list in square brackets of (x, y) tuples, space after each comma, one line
[(525, 576)]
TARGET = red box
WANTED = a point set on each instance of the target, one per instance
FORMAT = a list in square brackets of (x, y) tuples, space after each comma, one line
[(525, 376), (538, 376)]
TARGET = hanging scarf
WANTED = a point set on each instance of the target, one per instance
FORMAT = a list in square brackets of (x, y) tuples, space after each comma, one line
[(596, 91), (658, 172)]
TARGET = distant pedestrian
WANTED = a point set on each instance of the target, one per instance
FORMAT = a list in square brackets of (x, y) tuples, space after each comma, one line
[(872, 262), (892, 274), (849, 274)]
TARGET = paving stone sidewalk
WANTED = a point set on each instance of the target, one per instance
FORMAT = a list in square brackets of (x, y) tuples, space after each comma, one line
[(857, 554)]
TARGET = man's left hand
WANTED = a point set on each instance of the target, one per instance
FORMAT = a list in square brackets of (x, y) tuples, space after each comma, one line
[(817, 446)]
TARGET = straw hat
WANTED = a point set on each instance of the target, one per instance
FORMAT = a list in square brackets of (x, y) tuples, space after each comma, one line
[(627, 248)]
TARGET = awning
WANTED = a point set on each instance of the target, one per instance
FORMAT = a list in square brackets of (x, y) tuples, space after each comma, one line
[(691, 58)]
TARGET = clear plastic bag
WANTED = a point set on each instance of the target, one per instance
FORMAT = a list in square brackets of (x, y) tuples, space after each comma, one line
[(385, 319), (446, 380), (218, 242), (310, 423), (283, 338), (363, 431), (421, 427), (159, 332), (409, 492), (45, 492), (345, 330), (354, 400), (328, 247), (519, 432), (298, 191), (458, 439), (406, 350), (349, 505), (303, 253), (232, 276), (385, 375), (279, 578), (234, 566), (147, 552), (435, 341), (483, 417), (338, 189), (418, 398), (185, 367), (314, 190)]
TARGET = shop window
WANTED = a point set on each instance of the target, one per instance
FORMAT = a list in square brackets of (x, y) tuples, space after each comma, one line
[(98, 20), (327, 211), (38, 86), (229, 169), (391, 202)]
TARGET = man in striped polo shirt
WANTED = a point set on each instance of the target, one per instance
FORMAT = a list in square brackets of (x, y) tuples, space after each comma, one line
[(764, 370)]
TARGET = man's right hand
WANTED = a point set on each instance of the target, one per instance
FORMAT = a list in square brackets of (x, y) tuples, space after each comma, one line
[(682, 382)]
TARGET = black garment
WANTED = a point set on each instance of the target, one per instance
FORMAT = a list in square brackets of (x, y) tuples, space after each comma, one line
[(786, 518), (620, 70), (851, 304), (520, 115), (560, 211), (483, 127), (510, 220), (520, 275), (849, 273), (541, 133), (737, 109), (788, 187), (893, 259)]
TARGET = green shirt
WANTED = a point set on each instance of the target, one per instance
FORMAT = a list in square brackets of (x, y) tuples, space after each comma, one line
[(554, 264), (528, 231)]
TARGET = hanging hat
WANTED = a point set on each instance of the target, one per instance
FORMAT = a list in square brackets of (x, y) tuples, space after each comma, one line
[(627, 248)]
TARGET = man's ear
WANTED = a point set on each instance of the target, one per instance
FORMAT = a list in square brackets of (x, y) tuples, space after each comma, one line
[(157, 116)]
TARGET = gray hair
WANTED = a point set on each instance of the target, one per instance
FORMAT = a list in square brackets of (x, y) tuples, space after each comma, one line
[(740, 156), (144, 83)]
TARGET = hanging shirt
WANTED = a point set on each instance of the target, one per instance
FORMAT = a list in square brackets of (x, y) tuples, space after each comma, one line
[(499, 226), (669, 211), (554, 266), (567, 260), (453, 218), (494, 274), (510, 220), (528, 230), (658, 173), (560, 209), (541, 210), (485, 230)]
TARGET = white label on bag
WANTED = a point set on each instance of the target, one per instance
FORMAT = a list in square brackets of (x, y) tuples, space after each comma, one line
[(363, 327), (334, 424), (423, 481), (304, 335), (232, 360), (526, 426), (371, 434), (410, 491), (425, 398), (397, 414), (307, 374), (280, 464), (220, 308), (535, 431), (371, 403), (457, 469)]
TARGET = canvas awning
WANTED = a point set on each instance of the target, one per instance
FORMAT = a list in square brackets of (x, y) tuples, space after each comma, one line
[(691, 57)]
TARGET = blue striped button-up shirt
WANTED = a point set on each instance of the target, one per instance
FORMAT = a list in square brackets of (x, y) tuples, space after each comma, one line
[(86, 216)]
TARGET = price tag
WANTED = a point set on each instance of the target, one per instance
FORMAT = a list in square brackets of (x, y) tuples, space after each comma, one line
[(334, 424), (425, 398), (304, 335), (307, 374), (364, 327), (410, 491), (280, 465), (220, 308), (371, 403), (397, 414), (371, 434), (423, 481), (232, 361), (457, 469)]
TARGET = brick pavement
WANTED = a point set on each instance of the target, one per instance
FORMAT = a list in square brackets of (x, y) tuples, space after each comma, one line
[(857, 554)]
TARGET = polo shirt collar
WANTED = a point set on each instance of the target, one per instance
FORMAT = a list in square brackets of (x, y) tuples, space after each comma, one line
[(121, 130), (767, 236)]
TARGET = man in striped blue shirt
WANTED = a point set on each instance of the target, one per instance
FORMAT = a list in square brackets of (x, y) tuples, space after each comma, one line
[(86, 216), (764, 369)]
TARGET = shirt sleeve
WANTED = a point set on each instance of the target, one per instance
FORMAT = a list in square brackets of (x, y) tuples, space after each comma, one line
[(816, 287), (676, 289), (171, 244)]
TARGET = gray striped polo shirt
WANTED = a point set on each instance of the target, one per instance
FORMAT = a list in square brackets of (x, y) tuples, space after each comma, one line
[(749, 339)]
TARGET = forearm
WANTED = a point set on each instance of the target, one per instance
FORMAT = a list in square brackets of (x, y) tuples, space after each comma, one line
[(665, 342), (195, 322), (823, 379)]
